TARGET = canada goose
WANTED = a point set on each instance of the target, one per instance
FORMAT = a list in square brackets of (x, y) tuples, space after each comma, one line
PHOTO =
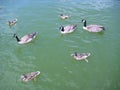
[(62, 16), (13, 22), (92, 28), (67, 29), (25, 39), (81, 56), (29, 76)]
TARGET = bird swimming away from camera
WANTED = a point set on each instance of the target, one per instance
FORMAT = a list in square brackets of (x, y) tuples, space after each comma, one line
[(92, 28), (25, 39), (67, 29), (12, 22), (62, 16), (81, 56), (29, 76)]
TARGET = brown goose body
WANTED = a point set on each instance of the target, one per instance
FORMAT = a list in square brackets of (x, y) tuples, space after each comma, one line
[(81, 56), (92, 28), (25, 39), (29, 76), (67, 29)]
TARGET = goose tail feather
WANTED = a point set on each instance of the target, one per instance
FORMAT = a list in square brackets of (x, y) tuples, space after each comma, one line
[(75, 26), (103, 28)]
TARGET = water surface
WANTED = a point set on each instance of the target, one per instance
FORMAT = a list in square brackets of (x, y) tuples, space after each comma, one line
[(50, 51)]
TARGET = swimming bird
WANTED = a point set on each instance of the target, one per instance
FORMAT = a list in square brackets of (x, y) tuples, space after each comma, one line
[(81, 56), (25, 39), (67, 29), (92, 28), (62, 16), (13, 22), (29, 76)]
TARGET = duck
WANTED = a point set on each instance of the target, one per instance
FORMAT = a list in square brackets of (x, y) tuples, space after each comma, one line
[(12, 23), (29, 76), (67, 29), (62, 16), (25, 39), (92, 28), (81, 56)]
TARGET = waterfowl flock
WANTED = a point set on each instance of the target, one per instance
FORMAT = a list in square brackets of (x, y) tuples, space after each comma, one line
[(63, 30)]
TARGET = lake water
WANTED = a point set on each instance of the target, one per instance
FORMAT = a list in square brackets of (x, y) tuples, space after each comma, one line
[(50, 51)]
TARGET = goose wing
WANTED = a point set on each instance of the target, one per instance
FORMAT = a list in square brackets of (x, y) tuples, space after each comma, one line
[(83, 55), (70, 28), (28, 37), (95, 28)]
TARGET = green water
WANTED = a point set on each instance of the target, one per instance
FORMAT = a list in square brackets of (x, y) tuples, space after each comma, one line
[(50, 51)]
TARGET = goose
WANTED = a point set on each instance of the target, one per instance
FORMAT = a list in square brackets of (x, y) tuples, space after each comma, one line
[(67, 29), (25, 39), (92, 28), (13, 22), (29, 76), (81, 56), (62, 16)]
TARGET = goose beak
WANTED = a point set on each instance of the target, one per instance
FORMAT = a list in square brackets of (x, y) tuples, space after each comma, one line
[(61, 14), (60, 27), (14, 35)]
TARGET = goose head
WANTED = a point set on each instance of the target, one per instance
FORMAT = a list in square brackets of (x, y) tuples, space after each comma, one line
[(61, 14), (62, 28), (17, 38), (84, 22), (74, 54)]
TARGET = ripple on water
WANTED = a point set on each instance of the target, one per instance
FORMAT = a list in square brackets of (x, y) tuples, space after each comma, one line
[(51, 52)]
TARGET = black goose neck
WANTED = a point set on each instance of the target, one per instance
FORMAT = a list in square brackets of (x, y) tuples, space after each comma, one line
[(75, 53), (62, 28), (17, 38), (85, 23)]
